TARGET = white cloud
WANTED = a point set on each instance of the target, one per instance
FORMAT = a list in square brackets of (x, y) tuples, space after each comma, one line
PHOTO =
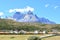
[(29, 8), (26, 9), (11, 10), (56, 7), (2, 17), (46, 5), (1, 13)]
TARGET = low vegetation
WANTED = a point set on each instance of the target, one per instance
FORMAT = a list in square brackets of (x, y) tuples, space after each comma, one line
[(34, 38), (6, 24), (25, 37)]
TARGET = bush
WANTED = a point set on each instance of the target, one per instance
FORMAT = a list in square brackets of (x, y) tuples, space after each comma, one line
[(34, 38)]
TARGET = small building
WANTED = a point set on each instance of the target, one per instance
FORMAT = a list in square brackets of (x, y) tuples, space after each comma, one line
[(15, 31), (22, 32), (36, 32), (11, 31), (44, 32)]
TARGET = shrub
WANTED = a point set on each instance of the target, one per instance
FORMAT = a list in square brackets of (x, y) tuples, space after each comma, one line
[(34, 38)]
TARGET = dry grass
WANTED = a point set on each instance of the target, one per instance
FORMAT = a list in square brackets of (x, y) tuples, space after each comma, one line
[(24, 37), (15, 37), (52, 38)]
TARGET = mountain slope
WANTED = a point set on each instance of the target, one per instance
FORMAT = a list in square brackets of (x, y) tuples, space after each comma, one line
[(7, 24), (18, 15), (30, 17), (46, 21)]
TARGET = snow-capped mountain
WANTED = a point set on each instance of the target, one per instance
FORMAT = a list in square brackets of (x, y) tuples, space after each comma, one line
[(46, 21), (18, 16), (30, 17)]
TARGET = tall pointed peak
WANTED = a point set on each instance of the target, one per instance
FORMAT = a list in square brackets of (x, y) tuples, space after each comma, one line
[(17, 13), (29, 12)]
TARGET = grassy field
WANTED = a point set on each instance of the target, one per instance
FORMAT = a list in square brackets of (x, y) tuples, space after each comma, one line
[(52, 38), (15, 37), (24, 37)]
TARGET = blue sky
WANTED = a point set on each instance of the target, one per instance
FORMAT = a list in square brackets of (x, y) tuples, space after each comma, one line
[(49, 9)]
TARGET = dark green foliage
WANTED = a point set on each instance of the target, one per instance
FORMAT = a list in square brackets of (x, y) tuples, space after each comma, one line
[(56, 28), (43, 24), (34, 38), (29, 28), (6, 24)]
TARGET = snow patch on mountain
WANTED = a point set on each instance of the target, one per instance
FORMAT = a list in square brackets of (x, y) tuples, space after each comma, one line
[(30, 17)]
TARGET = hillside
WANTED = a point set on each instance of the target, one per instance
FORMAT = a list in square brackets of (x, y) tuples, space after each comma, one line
[(7, 24)]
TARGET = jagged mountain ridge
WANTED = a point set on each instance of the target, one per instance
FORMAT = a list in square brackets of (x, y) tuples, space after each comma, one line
[(30, 17)]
